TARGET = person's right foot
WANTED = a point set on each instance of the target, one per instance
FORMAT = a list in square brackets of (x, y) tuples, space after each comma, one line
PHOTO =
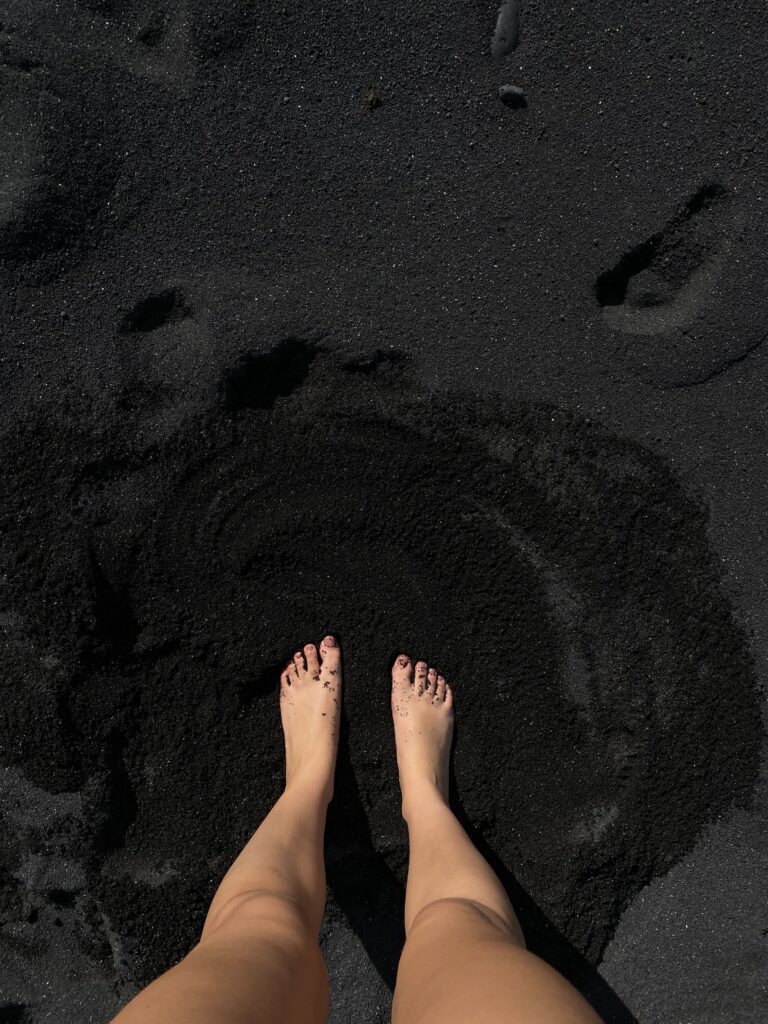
[(422, 710), (310, 691)]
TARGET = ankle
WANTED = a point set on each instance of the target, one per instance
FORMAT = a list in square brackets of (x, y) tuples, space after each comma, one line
[(308, 785), (422, 797)]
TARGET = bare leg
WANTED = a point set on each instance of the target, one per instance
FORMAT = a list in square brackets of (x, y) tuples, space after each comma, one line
[(258, 957), (464, 956)]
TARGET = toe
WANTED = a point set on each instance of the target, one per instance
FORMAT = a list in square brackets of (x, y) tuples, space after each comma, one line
[(448, 696), (298, 661), (402, 672), (330, 652), (431, 683), (421, 677), (292, 672), (440, 692), (284, 680), (313, 662)]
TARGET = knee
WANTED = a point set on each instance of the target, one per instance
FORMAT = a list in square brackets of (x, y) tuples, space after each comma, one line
[(266, 911), (456, 914)]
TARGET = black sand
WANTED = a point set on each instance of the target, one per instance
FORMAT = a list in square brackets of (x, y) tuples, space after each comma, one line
[(304, 329)]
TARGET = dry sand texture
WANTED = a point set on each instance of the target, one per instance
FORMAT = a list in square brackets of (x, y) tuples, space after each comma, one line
[(437, 325)]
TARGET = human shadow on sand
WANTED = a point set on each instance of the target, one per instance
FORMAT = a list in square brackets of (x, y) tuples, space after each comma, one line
[(372, 898), (547, 941), (365, 889)]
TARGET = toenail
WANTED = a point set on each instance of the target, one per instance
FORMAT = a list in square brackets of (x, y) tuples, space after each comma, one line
[(329, 641), (402, 661)]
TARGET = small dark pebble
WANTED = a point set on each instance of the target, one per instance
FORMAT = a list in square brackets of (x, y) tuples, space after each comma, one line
[(372, 98), (512, 96)]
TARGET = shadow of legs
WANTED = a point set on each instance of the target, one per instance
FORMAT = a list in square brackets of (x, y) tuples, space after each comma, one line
[(372, 898), (365, 889), (546, 941)]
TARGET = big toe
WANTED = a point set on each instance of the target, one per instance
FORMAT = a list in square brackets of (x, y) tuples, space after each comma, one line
[(402, 673), (330, 652)]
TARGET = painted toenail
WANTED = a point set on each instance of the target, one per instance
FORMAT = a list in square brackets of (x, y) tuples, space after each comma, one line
[(402, 661), (329, 641)]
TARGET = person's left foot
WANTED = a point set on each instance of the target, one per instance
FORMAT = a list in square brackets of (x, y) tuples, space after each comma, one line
[(310, 695)]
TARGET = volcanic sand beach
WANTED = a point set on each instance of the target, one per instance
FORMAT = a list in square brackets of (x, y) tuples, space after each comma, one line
[(441, 328)]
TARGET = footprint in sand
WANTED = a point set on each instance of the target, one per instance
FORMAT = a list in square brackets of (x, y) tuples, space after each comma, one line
[(159, 46), (257, 379), (54, 174), (666, 280), (155, 311), (166, 355), (689, 300), (152, 39)]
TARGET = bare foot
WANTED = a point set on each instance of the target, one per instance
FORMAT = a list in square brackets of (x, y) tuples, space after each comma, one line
[(422, 709), (310, 694)]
